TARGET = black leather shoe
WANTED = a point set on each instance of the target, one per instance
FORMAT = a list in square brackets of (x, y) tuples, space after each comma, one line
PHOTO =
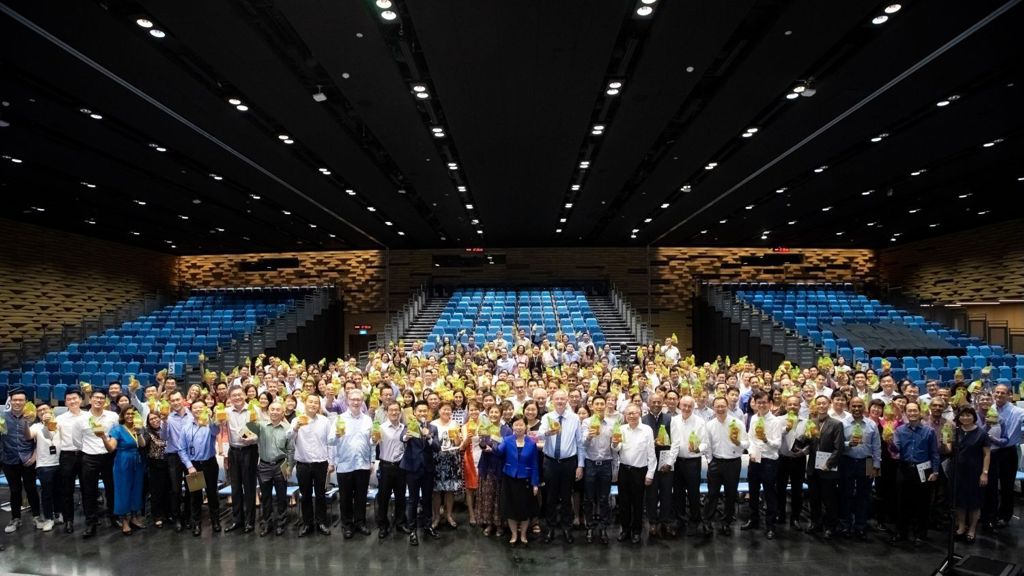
[(404, 529), (216, 526), (278, 531), (590, 536), (748, 525), (264, 530), (234, 526), (69, 527), (198, 530), (382, 533), (178, 527), (364, 530), (708, 531), (413, 540), (796, 525), (248, 528), (635, 540), (623, 536), (770, 534), (114, 523), (567, 534), (433, 533), (604, 537), (828, 534), (348, 533), (90, 531), (549, 537), (306, 530), (323, 529)]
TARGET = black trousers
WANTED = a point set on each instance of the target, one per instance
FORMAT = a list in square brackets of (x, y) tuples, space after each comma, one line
[(21, 477), (686, 491), (274, 485), (352, 488), (791, 474), (824, 495), (559, 476), (1005, 460), (242, 472), (390, 482), (856, 493), (722, 473), (762, 475), (312, 477), (96, 467), (659, 498), (70, 469), (913, 502), (159, 487), (597, 484), (888, 490), (631, 498), (176, 476), (421, 491), (210, 472)]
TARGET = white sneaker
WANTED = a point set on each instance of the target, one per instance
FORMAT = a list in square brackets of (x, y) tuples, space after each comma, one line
[(47, 525), (39, 522), (13, 525)]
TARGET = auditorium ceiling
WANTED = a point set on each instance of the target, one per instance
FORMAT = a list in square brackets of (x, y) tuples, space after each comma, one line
[(227, 126)]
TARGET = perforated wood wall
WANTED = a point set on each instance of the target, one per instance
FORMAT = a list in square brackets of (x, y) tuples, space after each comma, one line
[(49, 278)]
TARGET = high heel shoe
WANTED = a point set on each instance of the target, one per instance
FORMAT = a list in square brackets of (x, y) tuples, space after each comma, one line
[(452, 523)]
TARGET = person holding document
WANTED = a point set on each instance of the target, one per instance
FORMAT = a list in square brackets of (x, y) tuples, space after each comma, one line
[(824, 440), (918, 447)]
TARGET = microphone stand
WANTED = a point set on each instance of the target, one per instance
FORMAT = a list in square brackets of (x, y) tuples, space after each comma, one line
[(948, 565)]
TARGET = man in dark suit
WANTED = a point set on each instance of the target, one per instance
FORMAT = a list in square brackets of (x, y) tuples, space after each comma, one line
[(418, 462), (823, 478)]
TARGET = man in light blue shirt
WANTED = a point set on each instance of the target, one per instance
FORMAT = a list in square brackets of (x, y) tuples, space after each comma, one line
[(859, 465), (197, 448), (1004, 458), (562, 457), (353, 456)]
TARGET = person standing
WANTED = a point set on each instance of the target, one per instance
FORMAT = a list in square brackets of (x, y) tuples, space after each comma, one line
[(1005, 444), (95, 458), (156, 470), (972, 472), (391, 449), (176, 418), (198, 450), (858, 467), (520, 478), (18, 457), (69, 446), (353, 458), (125, 440), (726, 441), (823, 434), (241, 463), (792, 464), (563, 464), (918, 448), (312, 435), (421, 444), (47, 463), (688, 443), (659, 495), (637, 465), (597, 470), (765, 435), (276, 453)]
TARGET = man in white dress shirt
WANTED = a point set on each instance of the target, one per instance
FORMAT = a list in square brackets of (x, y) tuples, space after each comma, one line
[(765, 436), (637, 464), (312, 433), (726, 441), (688, 443)]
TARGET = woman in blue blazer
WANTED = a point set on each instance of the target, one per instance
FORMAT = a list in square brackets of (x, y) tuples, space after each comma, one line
[(520, 478)]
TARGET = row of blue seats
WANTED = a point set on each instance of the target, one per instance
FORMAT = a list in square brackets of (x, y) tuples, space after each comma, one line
[(112, 366), (55, 393), (30, 377)]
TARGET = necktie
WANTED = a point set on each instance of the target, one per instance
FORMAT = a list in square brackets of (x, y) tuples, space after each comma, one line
[(558, 440)]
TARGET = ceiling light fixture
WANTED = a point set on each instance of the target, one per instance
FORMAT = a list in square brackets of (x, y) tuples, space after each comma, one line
[(644, 11), (140, 202), (780, 190), (88, 185), (350, 192), (383, 4), (826, 208), (420, 90), (962, 196), (389, 15), (792, 222), (242, 108), (479, 231), (283, 137), (983, 212), (867, 193), (880, 19), (723, 220), (286, 212), (371, 208), (686, 188), (144, 22), (234, 101), (933, 225), (474, 222), (870, 224), (216, 177), (157, 33), (561, 220), (703, 231), (388, 223), (574, 187), (461, 188), (648, 220), (453, 166), (665, 205), (585, 164), (311, 225), (750, 206), (568, 205), (918, 172), (892, 8), (332, 235), (558, 230), (820, 169), (840, 233), (400, 233), (90, 221), (992, 143), (254, 196), (914, 210), (880, 137), (183, 217), (469, 206), (614, 87), (134, 233)]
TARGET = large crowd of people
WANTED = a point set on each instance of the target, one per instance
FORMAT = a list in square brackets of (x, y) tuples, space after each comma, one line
[(531, 436)]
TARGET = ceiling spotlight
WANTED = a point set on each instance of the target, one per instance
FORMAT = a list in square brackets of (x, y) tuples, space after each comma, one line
[(286, 212), (871, 224), (220, 229), (388, 223), (389, 15), (947, 101), (615, 85), (648, 220), (333, 235), (983, 212), (140, 202), (319, 95), (469, 206), (792, 96), (38, 209), (799, 88), (371, 208), (157, 33), (880, 137), (897, 234), (665, 205), (867, 193), (400, 233), (479, 231), (574, 187), (710, 166), (703, 231), (962, 196), (820, 169), (933, 225), (561, 220), (750, 206), (183, 217), (568, 205), (558, 230), (747, 134), (134, 233), (612, 91), (780, 190), (914, 210), (420, 90), (282, 137), (216, 177), (880, 19), (453, 166), (685, 188), (840, 233), (254, 196), (992, 143), (892, 8), (90, 221), (311, 225), (289, 141), (585, 164), (86, 184), (474, 222), (723, 220), (350, 192), (792, 222), (144, 22), (242, 107), (826, 208), (234, 101), (461, 188), (918, 172), (644, 11)]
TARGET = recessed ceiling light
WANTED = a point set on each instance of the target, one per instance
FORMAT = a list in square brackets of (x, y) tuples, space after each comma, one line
[(615, 84), (826, 208), (780, 190), (289, 141), (144, 22), (14, 160), (897, 234), (820, 169), (38, 209), (871, 224), (892, 239), (634, 230), (558, 230), (140, 202), (962, 196), (183, 217), (371, 208), (880, 137), (599, 127), (685, 188), (983, 212), (286, 212), (283, 137), (1020, 179), (792, 222), (568, 205), (612, 91), (867, 193), (648, 220), (469, 206), (585, 164), (234, 101), (400, 233), (453, 166), (134, 233), (933, 225), (723, 220), (561, 220), (157, 33), (918, 172), (332, 235), (710, 166), (242, 107), (992, 143), (792, 95), (750, 206), (383, 4), (752, 130), (747, 134), (479, 231), (90, 221), (389, 15), (220, 229), (387, 223), (216, 177), (665, 205), (644, 11), (197, 201), (914, 210), (254, 196), (880, 19), (892, 8), (474, 222), (88, 185), (350, 192), (436, 129), (840, 233), (948, 100)]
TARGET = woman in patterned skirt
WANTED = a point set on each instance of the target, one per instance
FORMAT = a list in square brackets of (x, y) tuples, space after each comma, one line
[(447, 464), (488, 511)]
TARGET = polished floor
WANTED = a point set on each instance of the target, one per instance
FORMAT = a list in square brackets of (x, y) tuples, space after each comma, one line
[(154, 552)]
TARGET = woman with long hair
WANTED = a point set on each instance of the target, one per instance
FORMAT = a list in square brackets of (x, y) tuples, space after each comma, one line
[(125, 440), (447, 465)]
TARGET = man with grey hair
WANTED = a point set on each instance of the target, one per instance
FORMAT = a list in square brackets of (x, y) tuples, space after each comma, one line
[(241, 463), (353, 457), (275, 457), (562, 457)]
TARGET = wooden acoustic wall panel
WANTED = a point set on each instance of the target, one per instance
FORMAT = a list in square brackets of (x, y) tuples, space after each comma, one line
[(49, 278), (359, 273), (983, 264)]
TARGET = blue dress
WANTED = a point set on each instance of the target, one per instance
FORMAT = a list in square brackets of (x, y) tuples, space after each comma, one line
[(129, 470)]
